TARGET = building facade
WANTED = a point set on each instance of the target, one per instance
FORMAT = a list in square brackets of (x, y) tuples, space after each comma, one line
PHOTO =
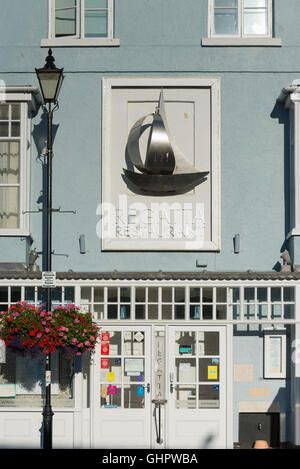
[(176, 183)]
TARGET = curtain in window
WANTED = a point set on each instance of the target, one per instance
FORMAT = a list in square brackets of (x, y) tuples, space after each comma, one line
[(9, 184)]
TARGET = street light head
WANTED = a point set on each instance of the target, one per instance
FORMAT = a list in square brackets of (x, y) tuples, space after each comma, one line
[(50, 79)]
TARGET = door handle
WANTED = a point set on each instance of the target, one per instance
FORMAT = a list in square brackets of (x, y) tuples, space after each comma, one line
[(171, 383), (259, 427), (148, 387)]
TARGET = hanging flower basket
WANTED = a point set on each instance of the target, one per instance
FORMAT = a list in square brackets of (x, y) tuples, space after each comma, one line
[(26, 328)]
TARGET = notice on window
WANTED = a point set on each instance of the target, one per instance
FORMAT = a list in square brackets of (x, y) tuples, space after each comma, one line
[(110, 376), (212, 372), (104, 349), (104, 363), (134, 365)]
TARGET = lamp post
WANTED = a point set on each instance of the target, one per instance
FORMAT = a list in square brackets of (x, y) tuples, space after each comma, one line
[(50, 80)]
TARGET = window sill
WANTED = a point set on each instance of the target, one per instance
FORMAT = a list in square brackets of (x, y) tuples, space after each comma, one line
[(14, 232), (85, 42), (241, 42)]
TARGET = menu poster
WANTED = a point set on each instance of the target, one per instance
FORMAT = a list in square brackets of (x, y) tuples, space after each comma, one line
[(104, 349), (104, 363), (105, 337)]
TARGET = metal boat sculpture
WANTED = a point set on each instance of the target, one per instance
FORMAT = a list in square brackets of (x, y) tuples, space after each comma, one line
[(165, 170)]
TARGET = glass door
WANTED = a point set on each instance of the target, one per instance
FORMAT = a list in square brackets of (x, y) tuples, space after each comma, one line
[(122, 388), (197, 387)]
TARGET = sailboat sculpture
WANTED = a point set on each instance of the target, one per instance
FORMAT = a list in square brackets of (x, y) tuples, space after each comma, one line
[(165, 170)]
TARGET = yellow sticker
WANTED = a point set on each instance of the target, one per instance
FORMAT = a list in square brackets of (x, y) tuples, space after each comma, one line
[(103, 392), (110, 376), (212, 372)]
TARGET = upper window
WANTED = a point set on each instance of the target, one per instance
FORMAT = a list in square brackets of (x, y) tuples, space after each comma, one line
[(240, 22), (242, 18), (14, 162), (80, 22)]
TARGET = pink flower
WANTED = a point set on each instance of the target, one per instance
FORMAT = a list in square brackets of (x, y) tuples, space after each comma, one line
[(39, 335), (74, 341), (47, 330), (87, 343)]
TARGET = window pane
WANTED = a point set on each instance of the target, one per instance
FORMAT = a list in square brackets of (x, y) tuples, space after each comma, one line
[(209, 369), (112, 295), (15, 129), (179, 312), (185, 370), (15, 112), (65, 22), (179, 295), (125, 312), (194, 295), (152, 295), (95, 3), (275, 294), (134, 397), (152, 312), (207, 295), (226, 3), (9, 207), (185, 397), (255, 3), (226, 21), (65, 3), (112, 312), (95, 23), (4, 129), (209, 396), (29, 294), (99, 294), (249, 294), (15, 294), (125, 295), (9, 163), (167, 295), (140, 295), (207, 312), (255, 22), (221, 295), (4, 109), (3, 294), (288, 294), (262, 295)]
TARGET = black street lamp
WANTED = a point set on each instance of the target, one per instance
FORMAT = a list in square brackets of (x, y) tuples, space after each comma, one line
[(50, 80)]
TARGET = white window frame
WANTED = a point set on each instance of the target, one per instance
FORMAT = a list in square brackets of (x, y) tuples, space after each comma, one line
[(269, 373), (25, 96), (239, 39), (79, 38)]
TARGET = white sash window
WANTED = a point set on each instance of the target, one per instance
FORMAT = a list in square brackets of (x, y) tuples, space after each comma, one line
[(80, 22), (240, 22), (15, 161)]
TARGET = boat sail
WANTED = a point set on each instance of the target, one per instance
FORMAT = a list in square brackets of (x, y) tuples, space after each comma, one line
[(165, 170)]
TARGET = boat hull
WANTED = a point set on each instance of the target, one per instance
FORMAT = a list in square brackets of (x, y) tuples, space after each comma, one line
[(165, 183)]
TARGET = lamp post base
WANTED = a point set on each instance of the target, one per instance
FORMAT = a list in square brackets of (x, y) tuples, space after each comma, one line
[(47, 427)]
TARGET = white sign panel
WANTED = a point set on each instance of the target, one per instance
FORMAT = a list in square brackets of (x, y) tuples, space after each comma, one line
[(134, 218), (49, 279)]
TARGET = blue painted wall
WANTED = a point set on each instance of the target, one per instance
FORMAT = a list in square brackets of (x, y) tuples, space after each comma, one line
[(161, 37)]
